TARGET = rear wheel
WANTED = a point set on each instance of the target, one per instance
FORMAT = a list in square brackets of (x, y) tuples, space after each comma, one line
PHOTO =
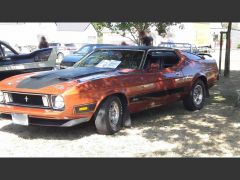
[(195, 100), (109, 116)]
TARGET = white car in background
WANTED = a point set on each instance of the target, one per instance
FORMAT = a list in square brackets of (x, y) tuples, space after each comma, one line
[(63, 49)]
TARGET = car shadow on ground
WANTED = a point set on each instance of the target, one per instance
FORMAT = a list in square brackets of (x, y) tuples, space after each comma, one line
[(212, 131), (51, 133)]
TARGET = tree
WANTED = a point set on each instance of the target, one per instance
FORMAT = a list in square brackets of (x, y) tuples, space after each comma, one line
[(131, 30), (228, 50)]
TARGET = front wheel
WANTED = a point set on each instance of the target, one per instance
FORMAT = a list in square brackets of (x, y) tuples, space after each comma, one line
[(195, 100), (109, 116)]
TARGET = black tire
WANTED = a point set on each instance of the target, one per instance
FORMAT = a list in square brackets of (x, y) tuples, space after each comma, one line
[(102, 116), (189, 102)]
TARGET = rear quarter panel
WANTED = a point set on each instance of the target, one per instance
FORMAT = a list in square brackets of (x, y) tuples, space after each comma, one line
[(193, 69)]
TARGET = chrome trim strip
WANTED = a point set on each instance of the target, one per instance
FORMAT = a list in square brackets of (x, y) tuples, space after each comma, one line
[(31, 106)]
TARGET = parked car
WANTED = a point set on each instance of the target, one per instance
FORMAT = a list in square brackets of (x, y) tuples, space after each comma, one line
[(181, 46), (70, 60), (13, 63), (205, 49), (63, 49), (106, 86)]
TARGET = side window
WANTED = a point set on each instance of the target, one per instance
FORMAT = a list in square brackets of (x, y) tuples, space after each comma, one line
[(152, 57), (131, 59), (165, 59), (170, 59)]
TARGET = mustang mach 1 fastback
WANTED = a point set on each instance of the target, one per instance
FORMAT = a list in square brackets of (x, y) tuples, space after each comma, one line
[(106, 86)]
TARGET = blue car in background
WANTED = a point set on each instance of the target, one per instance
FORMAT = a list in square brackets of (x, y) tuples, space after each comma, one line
[(70, 60)]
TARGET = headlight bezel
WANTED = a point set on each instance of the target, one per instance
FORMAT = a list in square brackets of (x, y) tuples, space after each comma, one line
[(53, 98)]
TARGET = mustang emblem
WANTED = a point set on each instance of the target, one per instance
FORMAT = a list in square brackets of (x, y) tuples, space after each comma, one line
[(26, 99)]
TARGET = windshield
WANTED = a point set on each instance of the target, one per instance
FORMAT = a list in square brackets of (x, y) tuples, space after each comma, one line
[(83, 50), (122, 59)]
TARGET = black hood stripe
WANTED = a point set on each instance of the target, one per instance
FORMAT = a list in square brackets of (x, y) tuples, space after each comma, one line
[(49, 78)]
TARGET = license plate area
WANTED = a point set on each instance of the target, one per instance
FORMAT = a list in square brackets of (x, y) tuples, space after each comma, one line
[(20, 119)]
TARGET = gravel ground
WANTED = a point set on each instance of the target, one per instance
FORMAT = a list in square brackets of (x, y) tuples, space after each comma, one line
[(169, 131)]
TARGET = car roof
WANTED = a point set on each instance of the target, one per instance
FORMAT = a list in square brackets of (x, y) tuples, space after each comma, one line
[(145, 48), (99, 45)]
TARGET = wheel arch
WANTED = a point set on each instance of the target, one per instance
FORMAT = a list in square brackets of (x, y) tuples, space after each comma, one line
[(204, 79), (121, 96)]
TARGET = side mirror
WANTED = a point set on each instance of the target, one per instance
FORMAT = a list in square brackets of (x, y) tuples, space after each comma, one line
[(154, 67)]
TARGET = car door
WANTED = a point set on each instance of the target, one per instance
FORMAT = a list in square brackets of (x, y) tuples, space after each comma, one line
[(154, 84), (167, 84), (171, 75)]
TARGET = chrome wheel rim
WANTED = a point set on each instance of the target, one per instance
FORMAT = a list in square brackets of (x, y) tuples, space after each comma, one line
[(198, 94), (114, 114)]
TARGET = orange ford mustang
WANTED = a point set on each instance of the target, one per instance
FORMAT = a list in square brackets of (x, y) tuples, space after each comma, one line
[(106, 86)]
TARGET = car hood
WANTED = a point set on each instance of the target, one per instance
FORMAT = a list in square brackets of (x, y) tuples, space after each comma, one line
[(73, 58), (44, 79)]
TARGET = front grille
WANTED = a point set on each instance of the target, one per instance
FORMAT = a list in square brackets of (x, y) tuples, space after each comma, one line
[(30, 100)]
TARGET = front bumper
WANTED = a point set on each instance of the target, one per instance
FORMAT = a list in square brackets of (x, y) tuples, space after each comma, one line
[(44, 113), (46, 117), (49, 122)]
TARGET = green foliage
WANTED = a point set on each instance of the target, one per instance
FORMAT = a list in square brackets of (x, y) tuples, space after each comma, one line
[(133, 28), (238, 46)]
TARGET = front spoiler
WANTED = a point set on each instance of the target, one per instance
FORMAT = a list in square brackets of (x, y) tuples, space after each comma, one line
[(49, 122)]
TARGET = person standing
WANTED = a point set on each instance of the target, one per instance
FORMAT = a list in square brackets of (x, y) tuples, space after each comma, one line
[(124, 43), (144, 39), (43, 43)]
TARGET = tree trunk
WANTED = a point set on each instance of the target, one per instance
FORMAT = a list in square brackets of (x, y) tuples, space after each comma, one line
[(228, 50)]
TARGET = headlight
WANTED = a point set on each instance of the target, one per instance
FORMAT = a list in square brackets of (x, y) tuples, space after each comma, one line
[(58, 102), (1, 96)]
